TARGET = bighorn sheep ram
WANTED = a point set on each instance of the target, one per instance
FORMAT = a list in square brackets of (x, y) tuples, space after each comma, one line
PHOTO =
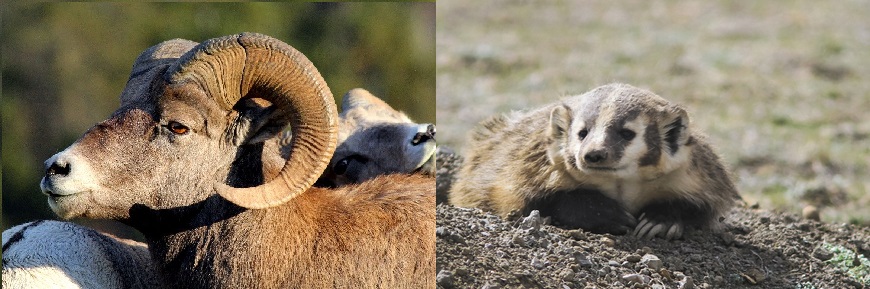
[(52, 254), (182, 160)]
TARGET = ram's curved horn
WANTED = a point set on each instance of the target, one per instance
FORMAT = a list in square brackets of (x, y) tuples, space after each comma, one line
[(254, 65)]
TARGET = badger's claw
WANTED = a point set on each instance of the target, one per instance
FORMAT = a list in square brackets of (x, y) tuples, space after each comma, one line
[(647, 229)]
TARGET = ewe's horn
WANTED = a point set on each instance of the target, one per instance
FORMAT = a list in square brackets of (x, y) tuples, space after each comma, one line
[(232, 67)]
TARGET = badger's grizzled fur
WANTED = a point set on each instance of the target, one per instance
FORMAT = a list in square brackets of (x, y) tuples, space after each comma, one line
[(599, 161)]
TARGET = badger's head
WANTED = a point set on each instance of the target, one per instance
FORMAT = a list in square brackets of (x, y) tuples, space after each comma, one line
[(619, 130), (375, 139)]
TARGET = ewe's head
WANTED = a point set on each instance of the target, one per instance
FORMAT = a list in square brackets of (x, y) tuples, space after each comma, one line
[(375, 139), (621, 131), (192, 122)]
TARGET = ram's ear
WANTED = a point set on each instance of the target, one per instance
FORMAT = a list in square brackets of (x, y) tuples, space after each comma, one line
[(560, 122), (675, 128), (253, 122)]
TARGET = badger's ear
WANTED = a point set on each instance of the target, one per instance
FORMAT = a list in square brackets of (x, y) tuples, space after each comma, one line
[(560, 122), (675, 128)]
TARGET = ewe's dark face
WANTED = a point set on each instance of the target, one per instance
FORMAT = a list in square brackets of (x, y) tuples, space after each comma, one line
[(162, 153), (385, 148)]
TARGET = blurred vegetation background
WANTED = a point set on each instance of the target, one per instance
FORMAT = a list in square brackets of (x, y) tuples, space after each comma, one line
[(64, 65), (781, 87)]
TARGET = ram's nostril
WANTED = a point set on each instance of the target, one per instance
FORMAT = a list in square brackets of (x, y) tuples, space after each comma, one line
[(57, 168)]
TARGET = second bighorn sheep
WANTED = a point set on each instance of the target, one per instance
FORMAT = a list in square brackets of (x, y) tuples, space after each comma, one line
[(182, 161)]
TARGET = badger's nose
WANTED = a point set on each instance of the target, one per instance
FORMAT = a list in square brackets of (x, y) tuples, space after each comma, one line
[(595, 156), (424, 133)]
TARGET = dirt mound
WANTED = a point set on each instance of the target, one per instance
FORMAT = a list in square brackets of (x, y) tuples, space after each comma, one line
[(758, 249)]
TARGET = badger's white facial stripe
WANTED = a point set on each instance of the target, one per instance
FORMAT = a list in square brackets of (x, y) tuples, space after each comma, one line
[(637, 147)]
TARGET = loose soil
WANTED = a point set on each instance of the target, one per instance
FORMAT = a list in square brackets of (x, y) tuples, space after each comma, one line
[(758, 249)]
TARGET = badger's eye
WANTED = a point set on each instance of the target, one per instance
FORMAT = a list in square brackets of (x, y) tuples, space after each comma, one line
[(583, 133), (177, 128), (627, 134)]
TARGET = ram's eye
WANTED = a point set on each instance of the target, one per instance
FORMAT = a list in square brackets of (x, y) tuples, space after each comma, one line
[(627, 134), (583, 133), (341, 166), (177, 128)]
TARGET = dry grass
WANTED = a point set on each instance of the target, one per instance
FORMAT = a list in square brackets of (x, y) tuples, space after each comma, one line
[(782, 87)]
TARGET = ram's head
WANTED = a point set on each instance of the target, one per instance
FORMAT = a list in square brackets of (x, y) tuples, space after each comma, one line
[(192, 123)]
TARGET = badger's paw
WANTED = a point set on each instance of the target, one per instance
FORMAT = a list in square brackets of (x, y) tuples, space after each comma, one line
[(650, 227)]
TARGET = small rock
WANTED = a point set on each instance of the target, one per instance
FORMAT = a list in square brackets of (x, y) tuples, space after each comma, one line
[(822, 254), (633, 258), (519, 241), (444, 278), (442, 232), (533, 221), (803, 226), (635, 278), (811, 213), (608, 242), (687, 283), (764, 219), (490, 286), (666, 274), (578, 235), (461, 271), (567, 274), (651, 261), (612, 263), (581, 259), (536, 263)]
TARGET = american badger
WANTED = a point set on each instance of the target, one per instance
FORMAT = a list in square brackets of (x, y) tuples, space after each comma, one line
[(598, 161), (375, 139)]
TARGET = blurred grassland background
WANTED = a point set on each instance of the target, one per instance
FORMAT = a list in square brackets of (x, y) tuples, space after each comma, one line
[(781, 87), (64, 65)]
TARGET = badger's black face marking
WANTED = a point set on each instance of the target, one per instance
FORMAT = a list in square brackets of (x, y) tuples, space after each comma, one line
[(672, 134), (654, 151)]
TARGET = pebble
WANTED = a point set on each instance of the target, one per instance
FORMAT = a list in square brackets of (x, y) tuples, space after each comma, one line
[(687, 283), (635, 278), (536, 263), (822, 254), (608, 242), (444, 278), (567, 274), (666, 274), (581, 259), (811, 213), (633, 258), (533, 221), (652, 261), (519, 241), (578, 235), (613, 263), (490, 286)]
